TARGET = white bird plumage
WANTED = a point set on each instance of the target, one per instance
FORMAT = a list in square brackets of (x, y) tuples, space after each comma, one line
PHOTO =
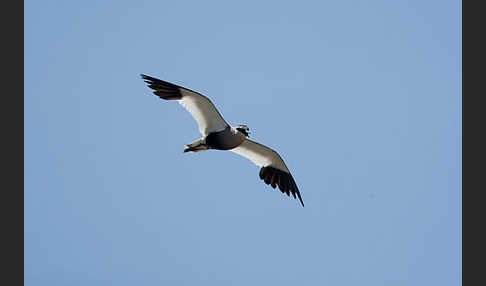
[(261, 155), (204, 112), (219, 135)]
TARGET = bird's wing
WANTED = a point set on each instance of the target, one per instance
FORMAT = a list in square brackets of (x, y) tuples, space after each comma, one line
[(273, 170), (201, 108)]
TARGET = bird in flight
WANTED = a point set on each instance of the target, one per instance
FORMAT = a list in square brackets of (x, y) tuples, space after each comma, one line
[(219, 135)]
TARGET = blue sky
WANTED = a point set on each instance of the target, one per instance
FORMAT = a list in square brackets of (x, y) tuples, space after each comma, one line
[(362, 99)]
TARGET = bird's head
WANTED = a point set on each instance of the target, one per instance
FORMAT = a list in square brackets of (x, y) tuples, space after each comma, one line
[(243, 129)]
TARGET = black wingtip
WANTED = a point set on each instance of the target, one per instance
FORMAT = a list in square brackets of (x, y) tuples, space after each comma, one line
[(163, 89), (284, 180), (147, 77), (151, 79), (300, 199), (297, 192)]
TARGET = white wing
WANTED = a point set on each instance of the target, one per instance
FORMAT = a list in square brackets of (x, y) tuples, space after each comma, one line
[(274, 172), (200, 107), (261, 155)]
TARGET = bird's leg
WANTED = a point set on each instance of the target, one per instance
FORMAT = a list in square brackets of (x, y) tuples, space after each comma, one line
[(196, 146)]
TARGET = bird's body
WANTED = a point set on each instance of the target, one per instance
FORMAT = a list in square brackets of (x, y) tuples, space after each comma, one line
[(227, 139), (219, 135)]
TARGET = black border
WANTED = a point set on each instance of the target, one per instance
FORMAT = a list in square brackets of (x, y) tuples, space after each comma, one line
[(12, 135), (473, 110)]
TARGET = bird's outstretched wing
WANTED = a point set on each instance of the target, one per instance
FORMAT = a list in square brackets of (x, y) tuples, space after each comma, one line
[(201, 108), (274, 172)]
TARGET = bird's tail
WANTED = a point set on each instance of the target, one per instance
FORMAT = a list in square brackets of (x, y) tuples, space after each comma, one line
[(196, 149), (196, 146)]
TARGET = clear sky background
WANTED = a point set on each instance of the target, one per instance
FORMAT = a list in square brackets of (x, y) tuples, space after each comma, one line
[(362, 99)]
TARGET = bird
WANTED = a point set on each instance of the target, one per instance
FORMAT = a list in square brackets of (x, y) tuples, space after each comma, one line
[(219, 135)]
